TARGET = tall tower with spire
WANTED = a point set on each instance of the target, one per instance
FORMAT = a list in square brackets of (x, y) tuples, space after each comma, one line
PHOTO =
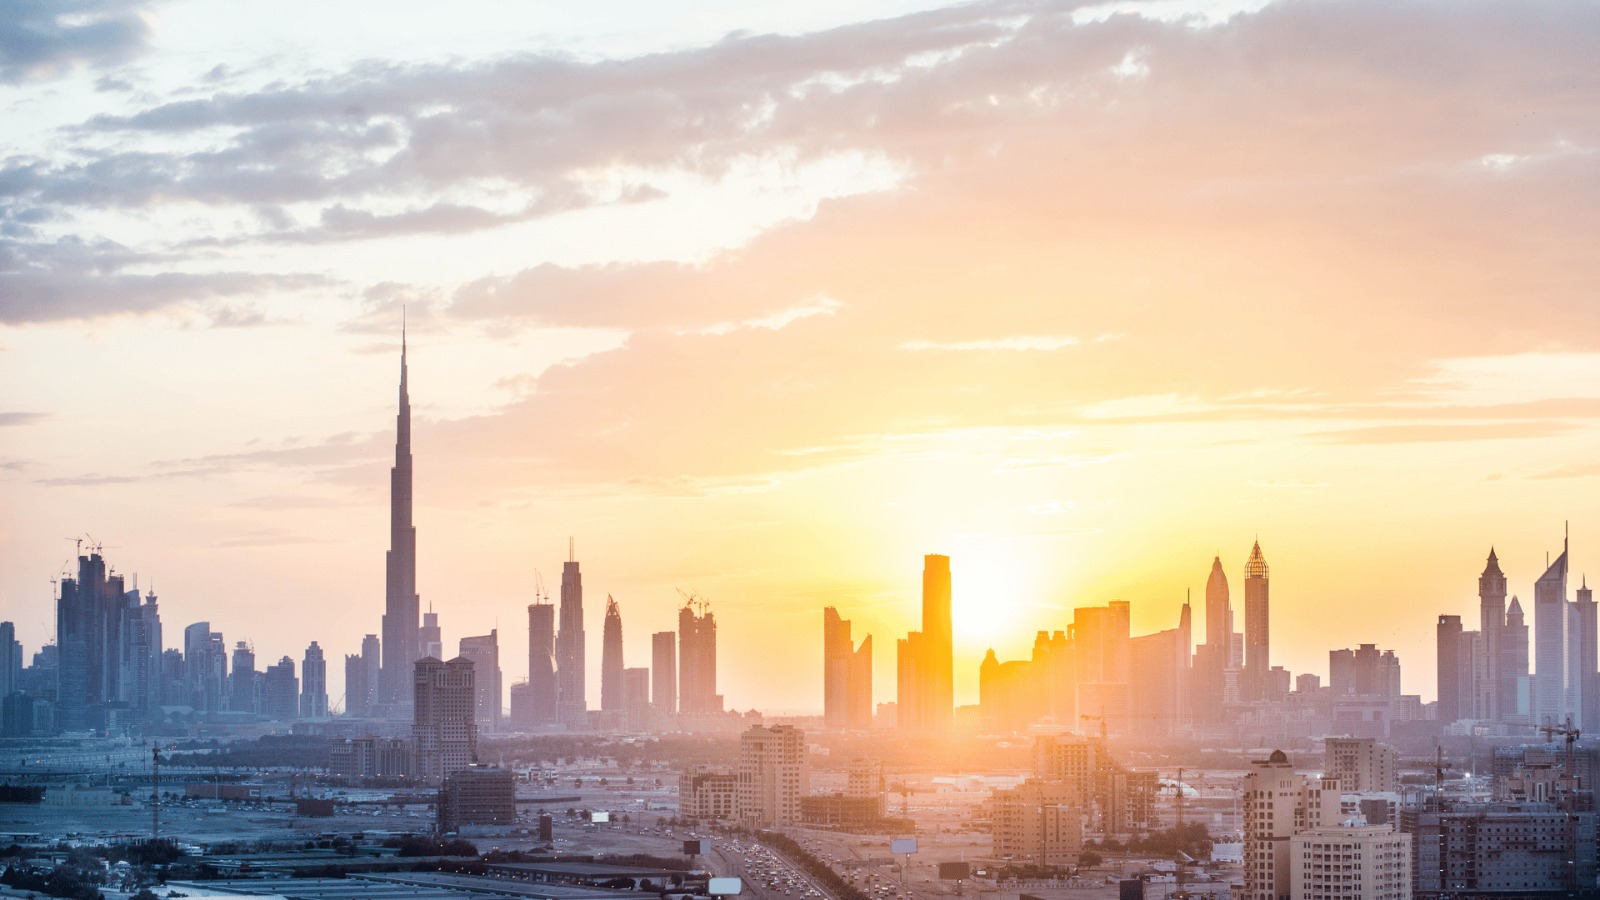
[(611, 664), (1516, 703), (1501, 693), (401, 641), (1257, 645), (570, 668), (1585, 645)]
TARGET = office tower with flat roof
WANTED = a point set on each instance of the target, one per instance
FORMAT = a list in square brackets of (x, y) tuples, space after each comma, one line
[(362, 674), (1491, 622), (242, 687), (611, 664), (483, 651), (314, 684), (924, 689), (431, 636), (280, 691), (773, 775), (664, 673), (1550, 642), (1454, 695), (205, 664), (846, 675), (355, 686), (542, 688), (636, 698), (1362, 862), (1361, 764), (570, 648), (444, 729), (1257, 622), (697, 660), (10, 660), (402, 644)]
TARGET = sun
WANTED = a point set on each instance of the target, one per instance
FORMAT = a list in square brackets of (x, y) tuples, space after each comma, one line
[(992, 587)]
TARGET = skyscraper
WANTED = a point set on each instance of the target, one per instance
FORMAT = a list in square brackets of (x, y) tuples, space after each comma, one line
[(1584, 675), (1491, 622), (1454, 702), (569, 647), (697, 660), (401, 643), (483, 651), (205, 666), (611, 664), (444, 727), (542, 663), (846, 675), (10, 660), (87, 625), (773, 775), (280, 691), (924, 689), (242, 683), (1257, 642), (1550, 642), (1219, 612), (664, 673), (361, 682), (430, 637), (1517, 700), (314, 684)]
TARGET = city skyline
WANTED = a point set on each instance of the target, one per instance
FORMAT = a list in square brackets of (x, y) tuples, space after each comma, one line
[(787, 300)]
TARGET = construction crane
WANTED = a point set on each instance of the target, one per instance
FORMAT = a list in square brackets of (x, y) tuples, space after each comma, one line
[(1571, 734), (539, 596), (693, 601), (1102, 721)]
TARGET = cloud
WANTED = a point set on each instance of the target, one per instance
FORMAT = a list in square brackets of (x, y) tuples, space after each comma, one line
[(21, 418), (45, 38), (1433, 433), (1019, 342)]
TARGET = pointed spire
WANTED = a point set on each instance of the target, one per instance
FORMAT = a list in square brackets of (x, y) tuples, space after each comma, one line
[(1256, 567)]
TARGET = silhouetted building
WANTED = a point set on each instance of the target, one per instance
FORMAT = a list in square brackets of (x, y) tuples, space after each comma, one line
[(1257, 621), (570, 649), (924, 695), (10, 660), (846, 675), (430, 636), (636, 698), (611, 664), (1491, 623), (242, 687), (361, 676), (664, 673), (93, 690), (697, 660), (280, 691), (205, 665), (484, 653), (1550, 642), (1453, 654), (1516, 683), (402, 644), (542, 690), (444, 727), (314, 684), (1585, 655)]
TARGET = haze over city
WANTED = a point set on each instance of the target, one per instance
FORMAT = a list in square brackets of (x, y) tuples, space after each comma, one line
[(767, 304)]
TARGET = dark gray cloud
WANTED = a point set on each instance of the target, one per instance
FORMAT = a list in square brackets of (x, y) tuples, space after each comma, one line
[(42, 38)]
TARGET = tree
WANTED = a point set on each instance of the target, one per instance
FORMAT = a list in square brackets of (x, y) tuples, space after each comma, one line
[(1089, 859)]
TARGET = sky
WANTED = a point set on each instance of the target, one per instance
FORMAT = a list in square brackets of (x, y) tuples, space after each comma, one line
[(764, 302)]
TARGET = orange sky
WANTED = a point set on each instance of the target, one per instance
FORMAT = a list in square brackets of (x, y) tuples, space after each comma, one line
[(1078, 297)]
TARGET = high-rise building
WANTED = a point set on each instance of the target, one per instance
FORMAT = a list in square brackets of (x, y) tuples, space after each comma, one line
[(140, 655), (314, 684), (708, 793), (1585, 655), (1257, 642), (205, 665), (1550, 642), (444, 727), (1038, 822), (430, 636), (636, 698), (483, 651), (846, 675), (362, 674), (402, 645), (88, 634), (570, 648), (924, 690), (664, 673), (697, 660), (242, 686), (1277, 805), (611, 664), (10, 660), (1495, 850), (1516, 703), (1452, 654), (280, 691), (542, 688), (1491, 622), (773, 775)]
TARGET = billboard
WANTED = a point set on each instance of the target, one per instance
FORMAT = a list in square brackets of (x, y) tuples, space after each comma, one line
[(692, 848), (953, 871), (724, 887), (903, 845)]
